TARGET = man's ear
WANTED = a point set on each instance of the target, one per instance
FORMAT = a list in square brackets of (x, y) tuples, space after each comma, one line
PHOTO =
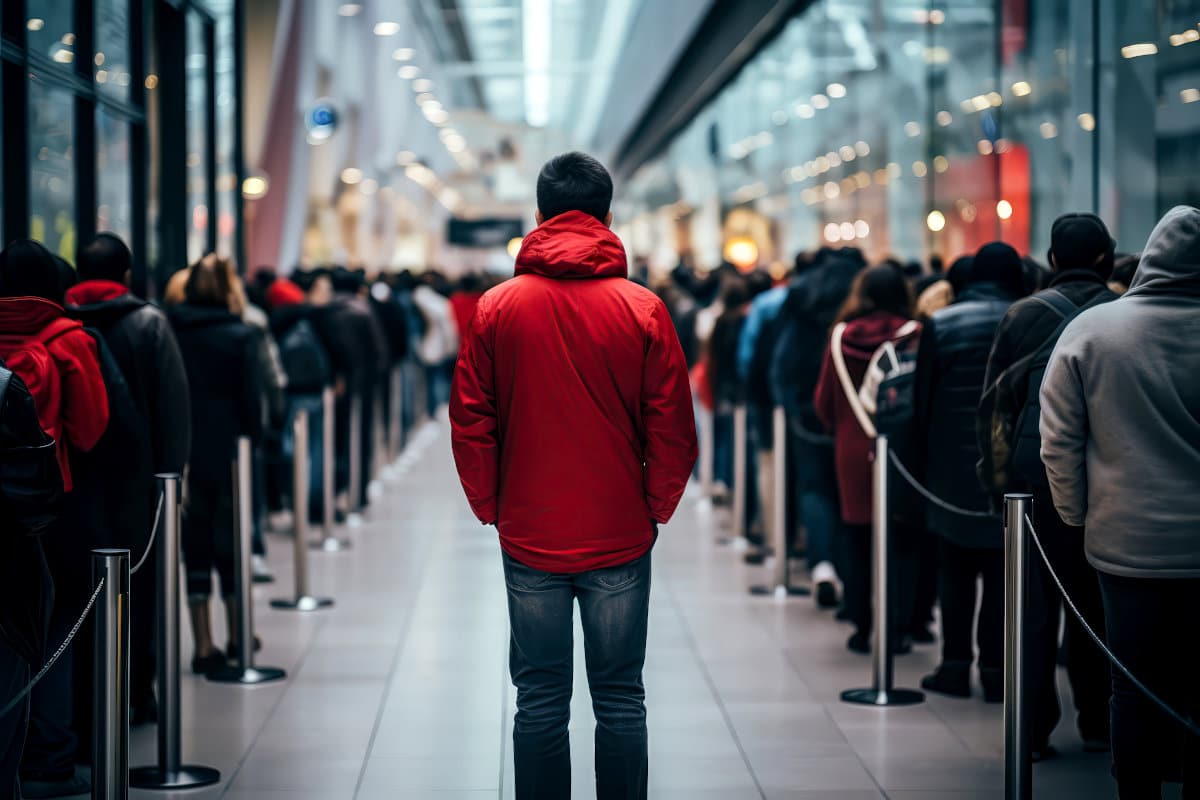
[(608, 220), (538, 218)]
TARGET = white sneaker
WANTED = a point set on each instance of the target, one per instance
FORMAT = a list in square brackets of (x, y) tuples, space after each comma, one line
[(261, 570)]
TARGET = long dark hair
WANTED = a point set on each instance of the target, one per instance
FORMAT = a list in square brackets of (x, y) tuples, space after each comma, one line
[(881, 288)]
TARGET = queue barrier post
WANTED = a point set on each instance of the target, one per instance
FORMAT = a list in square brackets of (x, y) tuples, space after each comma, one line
[(396, 424), (739, 473), (300, 600), (881, 692), (329, 542), (170, 772), (110, 670), (244, 671), (355, 434), (707, 450), (782, 587), (1018, 760)]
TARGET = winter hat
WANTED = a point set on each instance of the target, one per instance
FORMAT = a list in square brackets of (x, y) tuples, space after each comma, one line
[(283, 292), (27, 269), (999, 263), (1081, 241), (106, 258), (959, 273)]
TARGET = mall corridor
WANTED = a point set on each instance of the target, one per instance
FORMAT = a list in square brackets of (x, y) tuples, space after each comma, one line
[(401, 689)]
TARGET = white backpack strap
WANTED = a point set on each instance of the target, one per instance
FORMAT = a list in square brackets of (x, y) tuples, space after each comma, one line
[(839, 364)]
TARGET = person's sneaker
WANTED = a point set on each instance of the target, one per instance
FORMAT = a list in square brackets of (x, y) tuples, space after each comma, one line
[(261, 570), (859, 642), (826, 594), (992, 680), (207, 665), (922, 635), (77, 784), (1043, 752), (951, 678)]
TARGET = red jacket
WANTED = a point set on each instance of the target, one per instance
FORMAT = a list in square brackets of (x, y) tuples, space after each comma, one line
[(68, 389), (462, 304), (571, 414), (853, 449)]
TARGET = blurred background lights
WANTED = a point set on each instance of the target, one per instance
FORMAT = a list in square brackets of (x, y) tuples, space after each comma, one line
[(935, 221)]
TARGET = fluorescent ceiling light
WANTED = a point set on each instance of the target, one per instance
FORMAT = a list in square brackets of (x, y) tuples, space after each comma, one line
[(408, 72), (387, 28), (535, 40), (403, 53), (1139, 49), (349, 9)]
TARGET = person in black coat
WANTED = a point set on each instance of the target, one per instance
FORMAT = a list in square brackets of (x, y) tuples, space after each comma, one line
[(141, 342), (951, 361), (1081, 256), (221, 353)]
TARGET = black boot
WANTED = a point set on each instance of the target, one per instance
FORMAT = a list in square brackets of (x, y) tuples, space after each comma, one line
[(992, 679), (952, 678)]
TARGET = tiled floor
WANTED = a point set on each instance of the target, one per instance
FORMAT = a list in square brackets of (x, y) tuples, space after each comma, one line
[(401, 691)]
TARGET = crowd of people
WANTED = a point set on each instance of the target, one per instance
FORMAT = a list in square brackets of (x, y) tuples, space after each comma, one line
[(100, 391), (949, 364)]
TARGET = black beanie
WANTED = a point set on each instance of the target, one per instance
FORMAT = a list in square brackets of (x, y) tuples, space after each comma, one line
[(27, 269), (1081, 241), (999, 263)]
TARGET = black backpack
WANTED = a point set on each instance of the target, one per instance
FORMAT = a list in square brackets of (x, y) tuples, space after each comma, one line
[(304, 359), (31, 487), (895, 410)]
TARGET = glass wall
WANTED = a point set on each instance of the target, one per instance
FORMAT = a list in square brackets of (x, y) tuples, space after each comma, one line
[(911, 128)]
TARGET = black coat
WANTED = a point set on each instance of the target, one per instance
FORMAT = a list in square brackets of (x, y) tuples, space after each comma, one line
[(352, 339), (221, 354), (951, 361), (301, 349)]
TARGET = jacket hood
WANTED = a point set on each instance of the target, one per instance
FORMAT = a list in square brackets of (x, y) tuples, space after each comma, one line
[(864, 335), (1171, 261), (25, 316), (95, 291), (186, 315), (572, 245), (101, 303), (284, 317)]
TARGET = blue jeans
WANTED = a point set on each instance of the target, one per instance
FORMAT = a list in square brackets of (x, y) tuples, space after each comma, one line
[(816, 499), (614, 605)]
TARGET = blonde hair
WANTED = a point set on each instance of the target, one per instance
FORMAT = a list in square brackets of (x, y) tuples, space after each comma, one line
[(214, 282), (936, 296), (174, 293)]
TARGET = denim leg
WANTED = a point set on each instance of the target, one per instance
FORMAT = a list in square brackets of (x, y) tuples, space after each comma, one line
[(614, 605), (816, 498), (541, 608), (723, 449)]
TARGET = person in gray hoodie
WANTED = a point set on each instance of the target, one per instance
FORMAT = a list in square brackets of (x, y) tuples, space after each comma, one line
[(1120, 432)]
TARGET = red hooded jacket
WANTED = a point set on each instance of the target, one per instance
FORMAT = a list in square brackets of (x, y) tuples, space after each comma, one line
[(68, 389), (571, 414)]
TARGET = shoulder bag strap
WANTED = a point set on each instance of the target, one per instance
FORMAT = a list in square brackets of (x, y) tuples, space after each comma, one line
[(839, 364)]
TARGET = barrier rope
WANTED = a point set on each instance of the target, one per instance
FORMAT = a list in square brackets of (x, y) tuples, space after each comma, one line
[(933, 498), (62, 648), (153, 534), (1190, 725)]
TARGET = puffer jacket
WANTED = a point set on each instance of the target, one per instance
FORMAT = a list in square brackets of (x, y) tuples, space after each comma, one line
[(951, 362), (1121, 414), (571, 412)]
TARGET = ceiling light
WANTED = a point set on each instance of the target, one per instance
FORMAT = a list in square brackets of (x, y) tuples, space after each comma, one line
[(424, 98), (1190, 35), (403, 54), (369, 186), (349, 9), (937, 16), (861, 229), (254, 186), (387, 28), (408, 72), (833, 232), (820, 101), (862, 148), (836, 90), (994, 98), (535, 41), (985, 147), (1004, 209), (940, 164), (779, 117), (422, 85), (351, 175), (944, 118), (405, 157), (1087, 121), (805, 111), (98, 60), (1021, 88), (1139, 49), (63, 56), (935, 221), (1048, 129), (847, 230), (912, 129), (1190, 95), (847, 153), (35, 23), (436, 115), (919, 169)]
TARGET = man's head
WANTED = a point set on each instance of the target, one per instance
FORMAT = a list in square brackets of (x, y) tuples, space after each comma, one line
[(999, 264), (574, 182), (106, 258), (27, 269), (1081, 241)]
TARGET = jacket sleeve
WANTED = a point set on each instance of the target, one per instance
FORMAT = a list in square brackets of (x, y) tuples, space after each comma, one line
[(824, 399), (670, 448), (85, 400), (1064, 430), (924, 386), (170, 402), (252, 386), (747, 340), (474, 421)]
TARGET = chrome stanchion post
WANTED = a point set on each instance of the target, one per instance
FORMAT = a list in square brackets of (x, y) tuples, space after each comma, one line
[(329, 542), (244, 671), (301, 599), (355, 450), (1018, 764), (739, 473), (170, 772), (396, 428), (707, 448), (781, 587), (881, 692), (110, 701)]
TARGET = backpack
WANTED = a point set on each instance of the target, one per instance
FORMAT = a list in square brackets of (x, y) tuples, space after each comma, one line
[(1010, 410), (304, 358), (31, 487)]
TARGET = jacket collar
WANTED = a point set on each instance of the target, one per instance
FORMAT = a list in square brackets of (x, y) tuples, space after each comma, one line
[(572, 245), (985, 291), (26, 316), (1075, 276), (95, 291)]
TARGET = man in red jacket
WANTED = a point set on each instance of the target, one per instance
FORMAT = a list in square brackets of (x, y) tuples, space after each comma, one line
[(573, 434)]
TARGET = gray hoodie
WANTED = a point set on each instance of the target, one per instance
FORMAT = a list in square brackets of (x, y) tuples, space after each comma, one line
[(1121, 414)]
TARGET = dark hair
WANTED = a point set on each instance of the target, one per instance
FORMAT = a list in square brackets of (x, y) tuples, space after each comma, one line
[(881, 288), (106, 258), (212, 284), (27, 269), (999, 264), (1124, 267), (574, 182)]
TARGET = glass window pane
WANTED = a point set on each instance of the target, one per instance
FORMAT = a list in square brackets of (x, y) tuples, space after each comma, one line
[(52, 168), (197, 139), (50, 29), (111, 62), (114, 187), (226, 178)]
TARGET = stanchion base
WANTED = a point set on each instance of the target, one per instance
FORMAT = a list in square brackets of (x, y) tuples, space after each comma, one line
[(305, 603), (331, 544), (761, 590), (247, 675), (188, 776), (881, 697)]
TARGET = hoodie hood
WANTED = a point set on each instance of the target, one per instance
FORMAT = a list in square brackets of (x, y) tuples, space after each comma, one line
[(25, 316), (1170, 263), (572, 245), (95, 291), (864, 335), (100, 304)]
